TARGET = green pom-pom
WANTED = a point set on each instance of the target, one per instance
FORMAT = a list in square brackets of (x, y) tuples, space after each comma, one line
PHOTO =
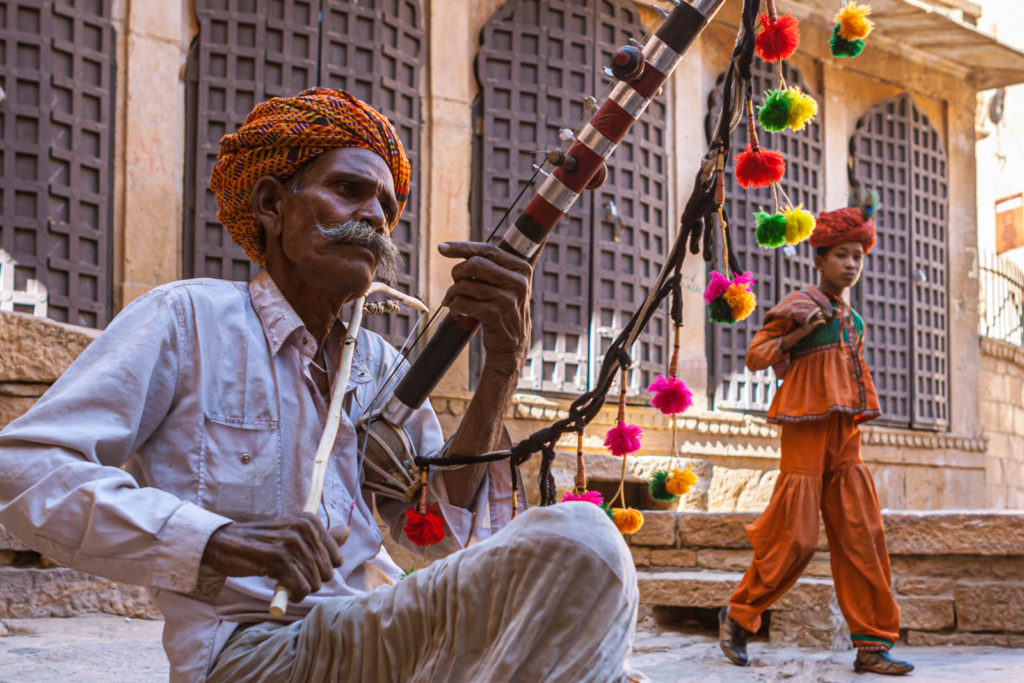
[(608, 511), (771, 229), (840, 47), (721, 311), (773, 115), (658, 488)]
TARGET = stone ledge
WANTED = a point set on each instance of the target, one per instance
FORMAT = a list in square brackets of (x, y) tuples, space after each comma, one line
[(1001, 350), (37, 349), (64, 592)]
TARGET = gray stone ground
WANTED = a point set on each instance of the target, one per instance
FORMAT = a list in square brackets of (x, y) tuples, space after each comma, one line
[(106, 648)]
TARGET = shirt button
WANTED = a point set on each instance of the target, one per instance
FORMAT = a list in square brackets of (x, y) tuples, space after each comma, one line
[(244, 458), (334, 503)]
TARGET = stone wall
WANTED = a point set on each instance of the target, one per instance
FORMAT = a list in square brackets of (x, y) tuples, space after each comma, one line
[(957, 576), (1001, 385)]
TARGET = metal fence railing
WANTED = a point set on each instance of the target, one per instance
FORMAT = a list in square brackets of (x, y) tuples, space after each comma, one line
[(1001, 308)]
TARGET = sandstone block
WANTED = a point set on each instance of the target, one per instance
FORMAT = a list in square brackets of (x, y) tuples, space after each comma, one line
[(926, 614), (990, 606), (37, 349), (715, 529), (727, 560), (923, 585), (674, 557), (958, 566), (686, 589), (641, 556), (955, 533), (659, 529), (926, 638), (817, 628), (65, 592), (9, 542)]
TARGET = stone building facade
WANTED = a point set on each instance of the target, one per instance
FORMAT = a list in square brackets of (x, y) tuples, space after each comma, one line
[(457, 76)]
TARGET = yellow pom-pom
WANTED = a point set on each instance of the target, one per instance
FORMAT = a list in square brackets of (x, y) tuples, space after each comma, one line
[(799, 224), (802, 108), (741, 301), (628, 520), (679, 482), (853, 22)]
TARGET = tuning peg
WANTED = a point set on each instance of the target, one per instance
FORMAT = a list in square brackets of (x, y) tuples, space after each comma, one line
[(637, 43), (566, 134), (607, 73), (663, 13), (589, 103), (557, 157)]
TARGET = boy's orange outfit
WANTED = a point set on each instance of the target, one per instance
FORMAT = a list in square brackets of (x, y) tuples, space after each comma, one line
[(826, 393)]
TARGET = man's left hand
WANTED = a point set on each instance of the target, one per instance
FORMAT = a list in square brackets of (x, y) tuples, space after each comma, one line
[(493, 287)]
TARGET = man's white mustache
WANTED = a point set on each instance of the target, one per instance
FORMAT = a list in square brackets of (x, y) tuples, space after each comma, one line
[(364, 234)]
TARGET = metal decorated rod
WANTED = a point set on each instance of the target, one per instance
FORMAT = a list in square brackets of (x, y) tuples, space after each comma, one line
[(641, 72)]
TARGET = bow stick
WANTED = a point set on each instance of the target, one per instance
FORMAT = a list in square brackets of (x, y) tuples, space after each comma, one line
[(279, 603)]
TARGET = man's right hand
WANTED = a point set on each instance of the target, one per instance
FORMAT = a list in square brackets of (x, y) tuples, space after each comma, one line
[(297, 552)]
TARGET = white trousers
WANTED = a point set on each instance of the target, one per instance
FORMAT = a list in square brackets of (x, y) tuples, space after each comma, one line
[(551, 597)]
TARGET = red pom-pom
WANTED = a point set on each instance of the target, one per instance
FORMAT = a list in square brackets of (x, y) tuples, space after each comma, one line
[(623, 439), (777, 40), (425, 529), (759, 167), (671, 395)]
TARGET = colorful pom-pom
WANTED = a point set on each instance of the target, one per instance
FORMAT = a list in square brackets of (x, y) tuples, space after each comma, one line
[(770, 231), (840, 47), (716, 288), (759, 167), (799, 225), (802, 108), (736, 302), (658, 487), (681, 481), (853, 22), (773, 114), (594, 497), (627, 520), (623, 439), (423, 530), (741, 300), (671, 395), (608, 511), (779, 39)]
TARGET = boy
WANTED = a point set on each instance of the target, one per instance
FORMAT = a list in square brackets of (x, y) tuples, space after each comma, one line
[(814, 340)]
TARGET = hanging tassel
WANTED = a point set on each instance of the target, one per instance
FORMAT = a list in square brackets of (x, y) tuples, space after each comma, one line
[(623, 439), (770, 230), (657, 486), (842, 48), (594, 497), (671, 395), (679, 482), (423, 529), (627, 520), (773, 114), (853, 22), (802, 108), (756, 167), (779, 37), (799, 224), (732, 302)]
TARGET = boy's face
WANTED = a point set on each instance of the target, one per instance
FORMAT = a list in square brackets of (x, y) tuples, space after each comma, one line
[(841, 266)]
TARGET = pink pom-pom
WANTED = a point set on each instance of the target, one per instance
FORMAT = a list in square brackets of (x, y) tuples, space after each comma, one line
[(716, 288), (671, 395), (744, 280), (594, 497), (623, 439)]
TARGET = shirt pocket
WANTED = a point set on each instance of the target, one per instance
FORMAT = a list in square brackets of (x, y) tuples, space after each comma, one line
[(241, 468)]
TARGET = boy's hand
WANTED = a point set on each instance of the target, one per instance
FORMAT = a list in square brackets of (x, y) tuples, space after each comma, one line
[(814, 321)]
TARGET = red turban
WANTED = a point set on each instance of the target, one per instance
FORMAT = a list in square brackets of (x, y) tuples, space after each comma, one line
[(841, 226), (283, 133)]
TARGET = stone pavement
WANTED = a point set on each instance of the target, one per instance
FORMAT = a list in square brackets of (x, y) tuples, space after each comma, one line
[(105, 648)]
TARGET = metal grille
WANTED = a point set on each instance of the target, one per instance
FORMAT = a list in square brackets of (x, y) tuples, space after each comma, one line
[(536, 63), (250, 50), (1002, 299), (902, 296), (777, 271), (56, 127)]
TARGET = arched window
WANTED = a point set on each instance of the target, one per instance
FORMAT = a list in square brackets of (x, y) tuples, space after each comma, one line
[(902, 295), (778, 271), (56, 156), (247, 51), (537, 62)]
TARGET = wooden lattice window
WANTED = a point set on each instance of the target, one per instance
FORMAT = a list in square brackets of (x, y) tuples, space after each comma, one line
[(777, 271), (903, 292), (537, 62), (247, 51), (57, 66)]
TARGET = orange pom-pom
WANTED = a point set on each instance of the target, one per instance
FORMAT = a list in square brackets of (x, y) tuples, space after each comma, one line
[(779, 39), (628, 520), (759, 167)]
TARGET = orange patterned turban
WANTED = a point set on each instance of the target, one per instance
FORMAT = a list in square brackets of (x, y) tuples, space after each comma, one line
[(843, 225), (283, 133)]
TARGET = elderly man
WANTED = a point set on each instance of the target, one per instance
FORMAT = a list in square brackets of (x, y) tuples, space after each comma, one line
[(212, 395)]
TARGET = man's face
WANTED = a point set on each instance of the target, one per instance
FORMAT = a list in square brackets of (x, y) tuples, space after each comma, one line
[(842, 265), (336, 220)]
